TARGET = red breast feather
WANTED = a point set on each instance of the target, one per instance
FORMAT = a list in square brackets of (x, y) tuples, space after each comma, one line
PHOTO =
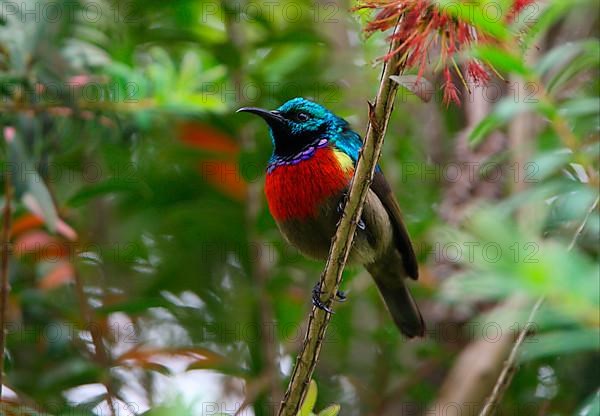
[(296, 191)]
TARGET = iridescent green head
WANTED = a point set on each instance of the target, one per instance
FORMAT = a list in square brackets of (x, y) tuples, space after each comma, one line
[(297, 124)]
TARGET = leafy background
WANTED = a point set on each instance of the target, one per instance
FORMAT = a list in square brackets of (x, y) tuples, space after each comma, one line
[(147, 276)]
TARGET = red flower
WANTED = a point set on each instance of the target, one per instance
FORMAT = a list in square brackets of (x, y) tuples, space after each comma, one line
[(477, 72), (423, 25), (518, 6), (450, 90)]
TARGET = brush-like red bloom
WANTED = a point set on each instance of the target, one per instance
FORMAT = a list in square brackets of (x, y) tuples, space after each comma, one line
[(518, 6), (423, 26)]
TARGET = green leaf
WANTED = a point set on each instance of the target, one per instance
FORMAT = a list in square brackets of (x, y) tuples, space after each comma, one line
[(549, 16), (591, 407), (586, 60), (546, 164), (110, 186), (133, 306), (562, 54), (309, 401), (29, 185), (581, 107), (174, 407), (484, 129), (561, 342), (501, 60), (332, 410), (39, 196), (504, 111)]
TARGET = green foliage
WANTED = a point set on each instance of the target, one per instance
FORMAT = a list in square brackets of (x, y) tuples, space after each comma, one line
[(139, 223)]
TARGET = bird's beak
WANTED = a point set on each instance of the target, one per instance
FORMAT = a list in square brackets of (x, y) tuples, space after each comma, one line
[(273, 118)]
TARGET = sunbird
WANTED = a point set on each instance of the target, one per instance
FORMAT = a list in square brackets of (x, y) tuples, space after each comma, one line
[(308, 175)]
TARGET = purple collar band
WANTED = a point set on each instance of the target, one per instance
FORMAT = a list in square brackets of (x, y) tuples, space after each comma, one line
[(305, 154)]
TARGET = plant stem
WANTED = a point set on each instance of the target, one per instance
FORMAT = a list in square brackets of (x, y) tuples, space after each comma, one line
[(100, 354), (579, 229), (379, 115), (4, 288), (509, 369)]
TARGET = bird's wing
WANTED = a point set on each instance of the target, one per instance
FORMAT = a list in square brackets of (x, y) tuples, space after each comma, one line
[(383, 191)]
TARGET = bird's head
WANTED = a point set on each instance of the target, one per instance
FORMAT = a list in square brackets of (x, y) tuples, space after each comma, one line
[(297, 124)]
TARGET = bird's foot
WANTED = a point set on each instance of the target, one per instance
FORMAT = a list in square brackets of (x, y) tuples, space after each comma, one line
[(340, 209), (340, 296), (361, 224)]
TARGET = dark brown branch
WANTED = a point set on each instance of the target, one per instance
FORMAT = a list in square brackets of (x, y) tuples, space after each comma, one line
[(100, 354), (4, 288), (379, 115)]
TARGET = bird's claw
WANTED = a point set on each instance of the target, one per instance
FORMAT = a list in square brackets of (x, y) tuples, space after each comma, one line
[(340, 209), (361, 224), (340, 296)]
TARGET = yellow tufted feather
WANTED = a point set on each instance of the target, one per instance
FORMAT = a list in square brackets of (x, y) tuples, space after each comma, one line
[(344, 160)]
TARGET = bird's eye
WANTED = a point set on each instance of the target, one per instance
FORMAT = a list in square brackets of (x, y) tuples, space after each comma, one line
[(302, 116)]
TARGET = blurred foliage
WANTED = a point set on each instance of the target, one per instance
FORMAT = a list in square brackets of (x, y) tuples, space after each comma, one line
[(146, 274)]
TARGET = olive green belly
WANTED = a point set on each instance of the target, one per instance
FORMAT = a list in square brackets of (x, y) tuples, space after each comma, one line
[(312, 236)]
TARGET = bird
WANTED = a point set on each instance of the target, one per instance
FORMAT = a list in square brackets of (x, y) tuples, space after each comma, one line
[(307, 178)]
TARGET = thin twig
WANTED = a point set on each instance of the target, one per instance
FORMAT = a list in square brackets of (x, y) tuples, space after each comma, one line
[(4, 288), (582, 225), (100, 354), (510, 367), (379, 115)]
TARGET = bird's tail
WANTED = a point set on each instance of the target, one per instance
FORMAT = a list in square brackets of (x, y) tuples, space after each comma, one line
[(390, 279)]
